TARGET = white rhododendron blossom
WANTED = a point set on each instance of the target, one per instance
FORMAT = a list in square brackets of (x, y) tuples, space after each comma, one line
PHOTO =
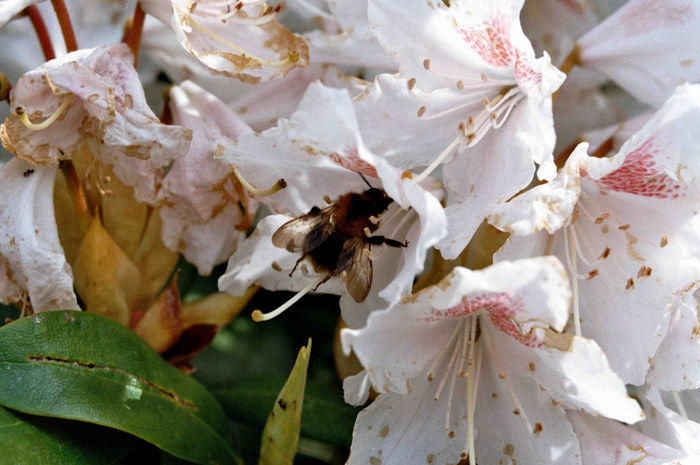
[(493, 206), (239, 39), (206, 210), (469, 80), (320, 154), (476, 365), (627, 227), (92, 96)]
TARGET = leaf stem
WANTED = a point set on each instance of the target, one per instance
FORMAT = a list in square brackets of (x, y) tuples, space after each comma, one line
[(66, 26), (41, 32)]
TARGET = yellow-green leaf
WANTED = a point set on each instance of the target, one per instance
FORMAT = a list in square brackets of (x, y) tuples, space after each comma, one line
[(280, 438)]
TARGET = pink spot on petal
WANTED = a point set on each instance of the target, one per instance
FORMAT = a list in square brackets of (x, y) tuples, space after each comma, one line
[(640, 175), (501, 309), (352, 161), (491, 40)]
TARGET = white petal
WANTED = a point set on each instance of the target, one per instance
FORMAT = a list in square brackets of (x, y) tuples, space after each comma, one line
[(606, 441), (29, 242), (399, 429), (667, 426), (643, 47), (676, 364), (205, 209)]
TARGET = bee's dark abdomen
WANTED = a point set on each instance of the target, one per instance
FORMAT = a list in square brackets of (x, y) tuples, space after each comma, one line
[(325, 256)]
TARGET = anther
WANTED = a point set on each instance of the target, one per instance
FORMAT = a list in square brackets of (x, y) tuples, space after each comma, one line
[(664, 241), (592, 274), (630, 284), (411, 83), (327, 200), (426, 63), (421, 111), (276, 266), (605, 254), (373, 219), (24, 117), (460, 85), (279, 185), (624, 227)]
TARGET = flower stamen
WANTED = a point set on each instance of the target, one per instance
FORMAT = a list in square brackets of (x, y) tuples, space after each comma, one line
[(259, 316), (279, 185), (24, 117)]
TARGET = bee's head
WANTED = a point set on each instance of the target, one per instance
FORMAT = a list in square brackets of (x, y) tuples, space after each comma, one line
[(379, 198)]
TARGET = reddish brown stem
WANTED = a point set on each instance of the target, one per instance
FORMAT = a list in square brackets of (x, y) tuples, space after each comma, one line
[(41, 32), (132, 37), (66, 25)]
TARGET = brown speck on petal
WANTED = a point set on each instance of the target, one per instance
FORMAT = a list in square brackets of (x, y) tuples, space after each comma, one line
[(426, 63), (538, 428), (664, 241), (384, 432)]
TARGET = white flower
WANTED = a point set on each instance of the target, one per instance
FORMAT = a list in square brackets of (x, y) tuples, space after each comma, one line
[(467, 73), (475, 366), (92, 96), (319, 152), (238, 39), (631, 220), (206, 210)]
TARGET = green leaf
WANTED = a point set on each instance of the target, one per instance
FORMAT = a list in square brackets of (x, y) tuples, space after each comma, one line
[(327, 418), (30, 439), (280, 438), (82, 366)]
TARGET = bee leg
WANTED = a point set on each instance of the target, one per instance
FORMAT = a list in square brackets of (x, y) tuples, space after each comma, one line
[(328, 276), (379, 240), (296, 264)]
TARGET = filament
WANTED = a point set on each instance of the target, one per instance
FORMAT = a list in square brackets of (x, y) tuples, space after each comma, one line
[(574, 285), (471, 393), (259, 316), (679, 404), (440, 158), (24, 117), (279, 185)]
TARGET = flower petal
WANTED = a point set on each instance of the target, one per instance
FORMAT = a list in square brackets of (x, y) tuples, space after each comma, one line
[(29, 243)]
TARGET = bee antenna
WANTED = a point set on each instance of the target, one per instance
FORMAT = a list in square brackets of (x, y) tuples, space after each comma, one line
[(365, 179)]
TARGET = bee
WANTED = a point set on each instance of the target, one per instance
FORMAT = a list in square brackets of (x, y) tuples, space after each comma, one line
[(337, 239)]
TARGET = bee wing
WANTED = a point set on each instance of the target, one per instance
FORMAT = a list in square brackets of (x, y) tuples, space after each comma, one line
[(356, 261), (305, 232)]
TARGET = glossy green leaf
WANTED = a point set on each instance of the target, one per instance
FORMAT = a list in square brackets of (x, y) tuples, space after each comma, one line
[(327, 418), (280, 438), (31, 439), (83, 366)]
